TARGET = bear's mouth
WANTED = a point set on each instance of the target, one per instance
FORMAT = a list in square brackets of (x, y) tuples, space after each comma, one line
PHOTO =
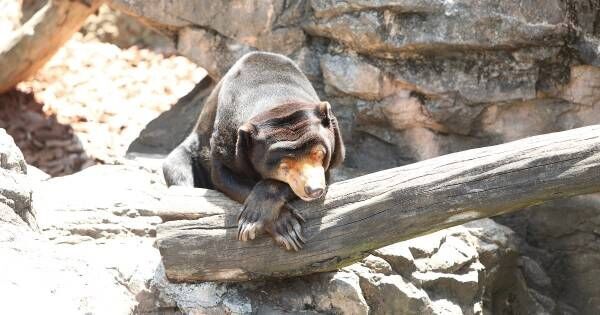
[(307, 198)]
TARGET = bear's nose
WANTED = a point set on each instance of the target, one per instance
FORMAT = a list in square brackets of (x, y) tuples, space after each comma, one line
[(313, 192)]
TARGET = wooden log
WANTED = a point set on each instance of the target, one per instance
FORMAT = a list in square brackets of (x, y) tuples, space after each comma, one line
[(382, 208), (34, 43)]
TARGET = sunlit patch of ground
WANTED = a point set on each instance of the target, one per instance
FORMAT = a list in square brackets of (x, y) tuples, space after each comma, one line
[(99, 96)]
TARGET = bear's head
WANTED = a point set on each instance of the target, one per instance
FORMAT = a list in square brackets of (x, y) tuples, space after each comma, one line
[(294, 143)]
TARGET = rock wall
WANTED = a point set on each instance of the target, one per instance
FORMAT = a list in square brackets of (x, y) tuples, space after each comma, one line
[(410, 80)]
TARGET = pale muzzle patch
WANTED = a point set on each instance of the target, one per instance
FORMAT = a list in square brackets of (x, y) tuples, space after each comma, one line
[(306, 175)]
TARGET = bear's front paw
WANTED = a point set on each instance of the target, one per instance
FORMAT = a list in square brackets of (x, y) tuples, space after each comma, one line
[(255, 216), (286, 230)]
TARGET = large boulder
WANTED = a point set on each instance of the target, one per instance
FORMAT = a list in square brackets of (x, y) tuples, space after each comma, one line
[(84, 257)]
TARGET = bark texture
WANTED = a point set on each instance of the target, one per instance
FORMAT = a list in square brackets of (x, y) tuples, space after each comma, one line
[(386, 207)]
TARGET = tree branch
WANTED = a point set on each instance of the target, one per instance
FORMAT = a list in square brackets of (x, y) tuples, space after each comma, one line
[(32, 45), (382, 208)]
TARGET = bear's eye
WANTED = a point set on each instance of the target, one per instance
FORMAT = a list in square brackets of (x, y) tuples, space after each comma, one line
[(284, 167)]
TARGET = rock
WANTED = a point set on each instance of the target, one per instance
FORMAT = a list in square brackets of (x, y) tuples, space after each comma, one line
[(270, 25), (584, 84), (377, 264), (119, 270), (326, 8), (450, 257), (399, 257), (588, 49), (464, 289), (389, 29), (507, 79), (344, 295), (535, 117), (405, 110), (394, 295), (454, 270), (36, 174), (216, 53), (204, 298), (158, 137), (11, 158), (453, 114), (324, 293), (344, 173), (112, 26), (535, 275), (562, 251), (63, 275), (352, 76), (123, 205), (15, 188)]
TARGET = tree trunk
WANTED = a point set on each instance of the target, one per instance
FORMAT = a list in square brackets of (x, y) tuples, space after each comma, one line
[(32, 45), (386, 207)]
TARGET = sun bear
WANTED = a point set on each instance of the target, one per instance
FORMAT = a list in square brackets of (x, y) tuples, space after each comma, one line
[(263, 138)]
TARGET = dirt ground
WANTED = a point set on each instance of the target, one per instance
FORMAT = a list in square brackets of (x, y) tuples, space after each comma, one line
[(92, 99)]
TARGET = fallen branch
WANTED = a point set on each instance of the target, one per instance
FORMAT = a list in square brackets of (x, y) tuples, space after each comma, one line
[(32, 45), (382, 208)]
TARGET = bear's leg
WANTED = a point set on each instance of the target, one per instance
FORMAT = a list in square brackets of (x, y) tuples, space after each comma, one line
[(264, 207), (177, 167)]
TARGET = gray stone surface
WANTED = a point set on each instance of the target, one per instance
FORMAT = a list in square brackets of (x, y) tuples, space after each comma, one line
[(563, 251), (15, 190), (62, 273), (395, 27)]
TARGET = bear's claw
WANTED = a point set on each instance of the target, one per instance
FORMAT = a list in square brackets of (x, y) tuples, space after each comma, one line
[(250, 224), (287, 231)]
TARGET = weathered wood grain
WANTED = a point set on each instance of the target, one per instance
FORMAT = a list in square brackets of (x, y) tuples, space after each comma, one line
[(34, 43), (382, 208)]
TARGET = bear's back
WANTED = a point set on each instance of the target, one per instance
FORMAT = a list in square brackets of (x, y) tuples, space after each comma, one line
[(260, 81)]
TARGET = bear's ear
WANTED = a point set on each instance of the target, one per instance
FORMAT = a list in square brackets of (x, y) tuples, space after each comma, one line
[(244, 145), (329, 120), (324, 110)]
